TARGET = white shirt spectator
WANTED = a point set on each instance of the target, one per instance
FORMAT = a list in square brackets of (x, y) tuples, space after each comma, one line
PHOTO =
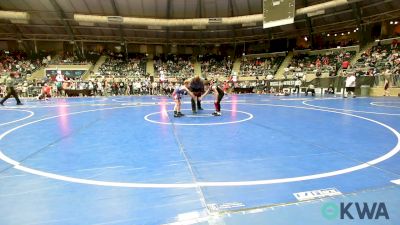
[(162, 76), (99, 86), (59, 78), (351, 81), (234, 78)]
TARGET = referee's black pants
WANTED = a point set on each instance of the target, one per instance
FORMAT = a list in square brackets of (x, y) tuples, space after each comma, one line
[(11, 91)]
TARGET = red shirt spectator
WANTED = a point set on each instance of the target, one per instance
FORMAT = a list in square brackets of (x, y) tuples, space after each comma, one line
[(345, 64), (318, 63), (325, 61), (394, 44)]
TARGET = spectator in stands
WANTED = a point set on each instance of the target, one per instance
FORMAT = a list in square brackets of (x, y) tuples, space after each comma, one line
[(369, 72), (396, 67), (318, 63), (286, 72), (375, 72), (325, 61), (345, 64), (44, 61), (119, 67), (332, 72), (173, 65), (359, 72), (216, 64), (318, 74), (394, 44)]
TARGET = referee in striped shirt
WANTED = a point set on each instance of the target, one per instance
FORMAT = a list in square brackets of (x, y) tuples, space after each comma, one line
[(10, 83)]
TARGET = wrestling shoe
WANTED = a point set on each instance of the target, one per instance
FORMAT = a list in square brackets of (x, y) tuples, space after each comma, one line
[(19, 103), (216, 113), (180, 114)]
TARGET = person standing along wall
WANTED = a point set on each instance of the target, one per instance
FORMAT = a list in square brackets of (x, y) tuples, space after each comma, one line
[(386, 87), (350, 85), (297, 85), (59, 84)]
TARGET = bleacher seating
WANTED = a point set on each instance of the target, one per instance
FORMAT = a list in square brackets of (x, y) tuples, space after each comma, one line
[(215, 65), (260, 66), (328, 63), (174, 65), (379, 60), (117, 66), (17, 61)]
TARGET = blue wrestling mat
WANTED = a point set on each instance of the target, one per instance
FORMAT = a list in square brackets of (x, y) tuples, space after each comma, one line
[(266, 160)]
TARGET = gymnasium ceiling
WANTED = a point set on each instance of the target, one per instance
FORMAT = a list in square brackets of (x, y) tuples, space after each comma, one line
[(54, 20)]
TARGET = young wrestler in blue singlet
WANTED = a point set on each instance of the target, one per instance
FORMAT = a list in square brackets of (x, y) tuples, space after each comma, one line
[(177, 95)]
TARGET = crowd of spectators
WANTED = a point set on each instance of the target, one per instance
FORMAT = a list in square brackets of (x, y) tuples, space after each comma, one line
[(17, 61), (265, 66), (173, 66), (67, 58), (330, 63), (216, 65), (379, 60), (114, 87), (127, 75), (117, 66)]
